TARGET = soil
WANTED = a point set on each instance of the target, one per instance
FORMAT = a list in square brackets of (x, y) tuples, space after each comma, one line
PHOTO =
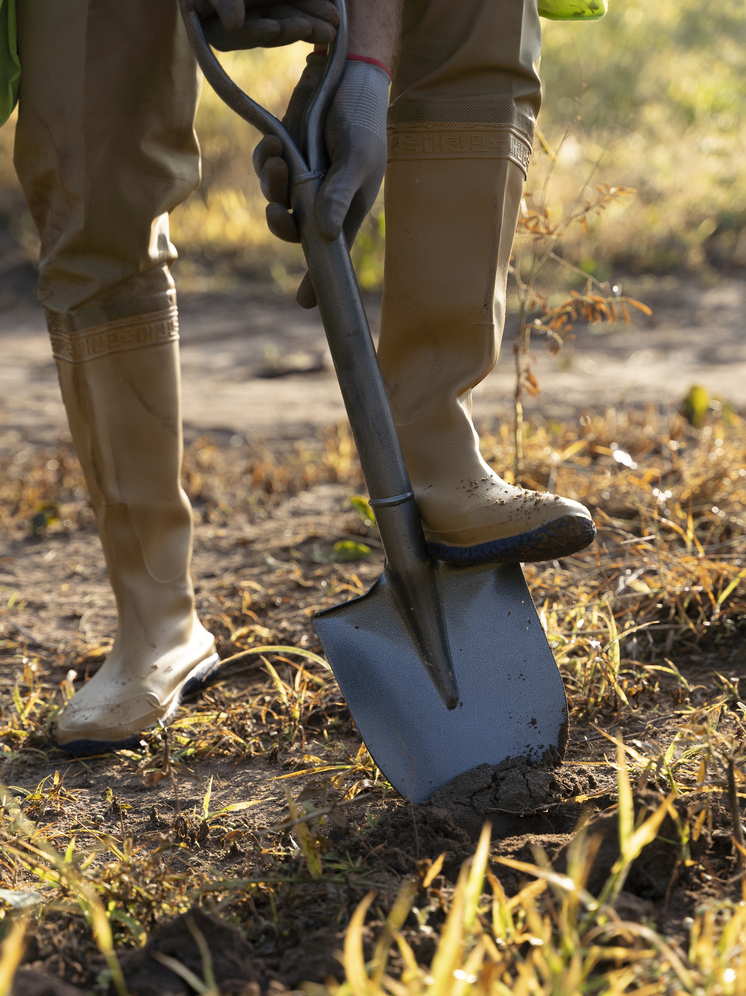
[(269, 564), (255, 364)]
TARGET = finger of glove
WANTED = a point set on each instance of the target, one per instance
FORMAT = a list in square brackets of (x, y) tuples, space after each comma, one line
[(321, 32), (292, 29), (204, 9), (258, 4), (306, 296), (230, 12), (317, 29), (274, 181), (268, 147), (321, 9), (279, 11), (256, 32), (317, 8), (315, 34), (281, 223)]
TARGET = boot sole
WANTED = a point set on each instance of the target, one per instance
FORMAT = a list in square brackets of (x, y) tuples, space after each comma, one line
[(556, 539), (194, 682)]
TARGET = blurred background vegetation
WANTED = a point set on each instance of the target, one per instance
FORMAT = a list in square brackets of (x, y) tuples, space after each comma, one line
[(654, 91)]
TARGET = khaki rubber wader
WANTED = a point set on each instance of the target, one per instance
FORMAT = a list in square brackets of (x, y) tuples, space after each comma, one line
[(465, 96), (105, 148)]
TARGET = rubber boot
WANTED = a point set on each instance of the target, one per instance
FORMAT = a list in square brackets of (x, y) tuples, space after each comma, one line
[(450, 224), (121, 388)]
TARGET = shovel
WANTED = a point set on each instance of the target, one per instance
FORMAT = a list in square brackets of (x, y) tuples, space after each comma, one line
[(443, 667)]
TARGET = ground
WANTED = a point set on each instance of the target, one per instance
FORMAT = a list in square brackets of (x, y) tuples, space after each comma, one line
[(259, 802)]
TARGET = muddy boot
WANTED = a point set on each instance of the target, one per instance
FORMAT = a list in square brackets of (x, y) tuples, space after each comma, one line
[(449, 230), (121, 387)]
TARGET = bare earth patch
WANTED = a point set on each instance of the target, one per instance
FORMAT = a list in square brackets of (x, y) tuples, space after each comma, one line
[(258, 822)]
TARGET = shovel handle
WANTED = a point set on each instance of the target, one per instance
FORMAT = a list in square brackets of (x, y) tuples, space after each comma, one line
[(310, 158)]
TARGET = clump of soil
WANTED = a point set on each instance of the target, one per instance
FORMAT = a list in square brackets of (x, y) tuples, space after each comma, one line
[(30, 983), (238, 970), (516, 789), (233, 964), (316, 959), (410, 834), (655, 870)]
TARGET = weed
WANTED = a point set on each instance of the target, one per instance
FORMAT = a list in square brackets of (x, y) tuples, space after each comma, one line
[(551, 937)]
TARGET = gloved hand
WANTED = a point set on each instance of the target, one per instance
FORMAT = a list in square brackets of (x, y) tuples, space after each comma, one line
[(355, 137), (240, 24)]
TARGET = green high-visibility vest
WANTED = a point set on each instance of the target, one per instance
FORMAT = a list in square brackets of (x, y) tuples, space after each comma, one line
[(573, 10), (10, 67)]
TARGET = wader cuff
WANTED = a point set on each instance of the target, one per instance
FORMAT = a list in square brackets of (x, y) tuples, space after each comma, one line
[(103, 339), (466, 83)]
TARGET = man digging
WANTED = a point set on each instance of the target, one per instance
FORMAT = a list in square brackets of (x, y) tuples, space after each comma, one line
[(105, 149)]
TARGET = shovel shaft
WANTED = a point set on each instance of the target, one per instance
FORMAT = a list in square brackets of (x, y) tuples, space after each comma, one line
[(409, 567), (353, 353)]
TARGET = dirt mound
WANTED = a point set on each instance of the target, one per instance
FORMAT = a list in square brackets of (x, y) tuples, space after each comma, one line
[(411, 834), (236, 971), (515, 789), (518, 797), (30, 983)]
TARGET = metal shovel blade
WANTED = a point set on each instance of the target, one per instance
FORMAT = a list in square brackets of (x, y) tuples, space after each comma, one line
[(512, 701)]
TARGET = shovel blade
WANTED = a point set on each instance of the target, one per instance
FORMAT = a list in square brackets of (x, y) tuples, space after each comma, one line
[(512, 701)]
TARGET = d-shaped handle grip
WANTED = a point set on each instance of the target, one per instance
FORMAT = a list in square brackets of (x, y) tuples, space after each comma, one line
[(310, 158)]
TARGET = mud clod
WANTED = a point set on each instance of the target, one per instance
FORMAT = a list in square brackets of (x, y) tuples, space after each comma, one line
[(31, 983), (656, 868), (235, 969), (412, 834), (315, 959), (518, 787)]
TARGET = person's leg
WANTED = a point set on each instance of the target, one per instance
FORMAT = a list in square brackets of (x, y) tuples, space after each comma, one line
[(105, 148), (464, 101)]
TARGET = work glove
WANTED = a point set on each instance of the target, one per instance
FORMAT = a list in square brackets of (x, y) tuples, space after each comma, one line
[(240, 24), (355, 139)]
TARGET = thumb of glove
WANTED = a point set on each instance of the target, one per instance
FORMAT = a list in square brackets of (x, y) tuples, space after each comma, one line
[(333, 216), (341, 207), (306, 296)]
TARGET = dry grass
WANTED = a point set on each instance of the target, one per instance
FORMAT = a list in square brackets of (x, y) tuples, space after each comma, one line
[(639, 626)]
